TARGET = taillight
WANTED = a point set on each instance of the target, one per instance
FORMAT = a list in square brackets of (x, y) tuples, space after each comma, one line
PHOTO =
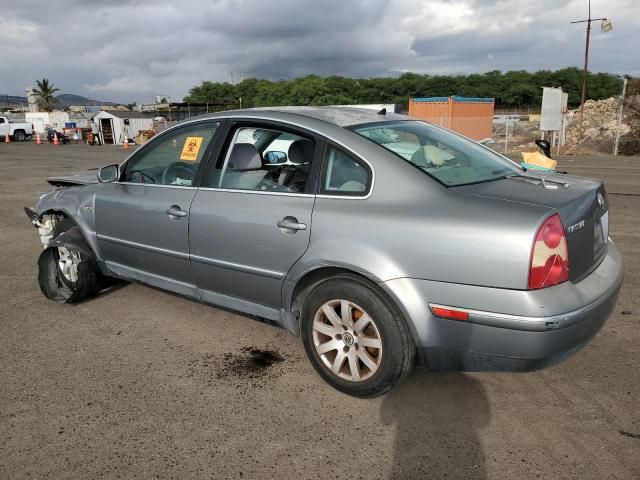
[(549, 255)]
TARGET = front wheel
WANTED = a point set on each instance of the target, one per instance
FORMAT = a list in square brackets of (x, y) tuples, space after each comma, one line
[(67, 272), (355, 338)]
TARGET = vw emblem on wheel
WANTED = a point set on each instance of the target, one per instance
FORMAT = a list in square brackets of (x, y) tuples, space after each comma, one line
[(600, 200), (347, 338)]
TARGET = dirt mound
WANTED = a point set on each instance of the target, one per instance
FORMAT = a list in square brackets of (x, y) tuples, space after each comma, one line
[(601, 120)]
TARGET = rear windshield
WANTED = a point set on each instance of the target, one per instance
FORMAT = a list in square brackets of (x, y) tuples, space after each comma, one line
[(450, 158)]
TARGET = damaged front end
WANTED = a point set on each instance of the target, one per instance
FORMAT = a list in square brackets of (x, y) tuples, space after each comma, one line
[(69, 238), (67, 268), (45, 225)]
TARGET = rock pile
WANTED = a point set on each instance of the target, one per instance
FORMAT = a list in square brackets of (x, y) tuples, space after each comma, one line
[(601, 120)]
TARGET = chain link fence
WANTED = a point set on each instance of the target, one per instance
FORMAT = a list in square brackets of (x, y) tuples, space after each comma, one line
[(607, 129)]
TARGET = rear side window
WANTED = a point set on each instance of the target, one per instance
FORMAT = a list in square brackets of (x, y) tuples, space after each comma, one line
[(344, 175), (446, 156), (266, 160)]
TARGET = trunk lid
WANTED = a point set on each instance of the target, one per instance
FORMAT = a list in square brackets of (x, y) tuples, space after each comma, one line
[(581, 203)]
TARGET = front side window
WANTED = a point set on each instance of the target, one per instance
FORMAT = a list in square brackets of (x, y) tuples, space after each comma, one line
[(172, 159), (343, 175), (266, 160), (449, 158)]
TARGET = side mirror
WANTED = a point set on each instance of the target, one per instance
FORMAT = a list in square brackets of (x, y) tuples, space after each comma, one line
[(275, 157), (109, 174)]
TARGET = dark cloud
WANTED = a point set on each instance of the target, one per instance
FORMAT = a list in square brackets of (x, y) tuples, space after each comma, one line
[(133, 49)]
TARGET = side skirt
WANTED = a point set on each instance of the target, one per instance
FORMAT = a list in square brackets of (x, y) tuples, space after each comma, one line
[(271, 315)]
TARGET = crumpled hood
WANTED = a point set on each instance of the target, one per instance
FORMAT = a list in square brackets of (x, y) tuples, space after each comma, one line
[(84, 178)]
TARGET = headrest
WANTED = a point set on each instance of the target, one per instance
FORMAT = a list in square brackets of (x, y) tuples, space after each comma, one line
[(244, 157), (301, 151)]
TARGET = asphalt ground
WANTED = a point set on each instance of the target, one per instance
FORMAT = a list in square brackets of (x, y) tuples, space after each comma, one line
[(139, 383)]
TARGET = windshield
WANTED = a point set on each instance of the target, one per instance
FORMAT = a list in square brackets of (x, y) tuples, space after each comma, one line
[(449, 158)]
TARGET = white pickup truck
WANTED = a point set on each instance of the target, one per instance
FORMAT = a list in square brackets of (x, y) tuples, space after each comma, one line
[(18, 131)]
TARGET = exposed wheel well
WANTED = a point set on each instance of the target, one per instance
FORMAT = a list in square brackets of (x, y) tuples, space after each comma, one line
[(57, 217), (57, 213)]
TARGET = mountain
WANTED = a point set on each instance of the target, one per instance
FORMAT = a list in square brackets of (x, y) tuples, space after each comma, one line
[(67, 99), (64, 100)]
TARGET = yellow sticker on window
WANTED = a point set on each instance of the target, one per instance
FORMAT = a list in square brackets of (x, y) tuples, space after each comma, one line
[(191, 148)]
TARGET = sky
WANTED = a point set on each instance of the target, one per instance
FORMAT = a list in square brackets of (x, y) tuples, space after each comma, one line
[(132, 50)]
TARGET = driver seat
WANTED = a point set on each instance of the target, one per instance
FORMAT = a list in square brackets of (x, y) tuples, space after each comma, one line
[(244, 170)]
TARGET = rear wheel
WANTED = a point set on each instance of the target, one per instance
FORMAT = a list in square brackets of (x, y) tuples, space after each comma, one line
[(355, 338), (19, 136)]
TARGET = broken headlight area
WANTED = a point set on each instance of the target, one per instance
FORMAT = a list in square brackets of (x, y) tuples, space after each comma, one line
[(46, 225)]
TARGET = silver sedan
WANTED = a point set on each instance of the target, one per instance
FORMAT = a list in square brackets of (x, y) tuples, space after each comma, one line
[(378, 239)]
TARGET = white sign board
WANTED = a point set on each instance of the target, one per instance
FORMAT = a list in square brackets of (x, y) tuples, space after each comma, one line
[(553, 101)]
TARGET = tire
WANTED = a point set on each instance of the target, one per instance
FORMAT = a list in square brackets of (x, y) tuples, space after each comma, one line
[(19, 136), (62, 286), (332, 343)]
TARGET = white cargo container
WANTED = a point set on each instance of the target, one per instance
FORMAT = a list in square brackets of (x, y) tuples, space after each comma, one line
[(42, 121)]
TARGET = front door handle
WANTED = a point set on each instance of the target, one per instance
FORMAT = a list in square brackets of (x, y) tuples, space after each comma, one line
[(291, 224), (174, 211)]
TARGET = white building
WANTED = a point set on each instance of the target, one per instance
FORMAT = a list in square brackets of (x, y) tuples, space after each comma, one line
[(117, 125), (42, 121)]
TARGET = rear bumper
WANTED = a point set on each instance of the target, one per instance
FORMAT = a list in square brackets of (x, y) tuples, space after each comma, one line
[(520, 338)]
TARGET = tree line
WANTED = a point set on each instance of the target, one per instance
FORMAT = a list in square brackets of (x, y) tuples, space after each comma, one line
[(510, 89)]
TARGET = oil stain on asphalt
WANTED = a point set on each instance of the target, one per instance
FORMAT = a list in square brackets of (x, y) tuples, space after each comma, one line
[(250, 366)]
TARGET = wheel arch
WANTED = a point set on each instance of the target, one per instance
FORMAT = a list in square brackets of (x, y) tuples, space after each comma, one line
[(305, 283), (19, 130), (76, 239)]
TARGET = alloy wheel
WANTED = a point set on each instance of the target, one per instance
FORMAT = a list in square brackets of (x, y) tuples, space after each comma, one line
[(68, 261), (347, 340)]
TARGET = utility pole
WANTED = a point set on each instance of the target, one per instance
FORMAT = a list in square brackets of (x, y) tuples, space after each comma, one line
[(619, 122), (606, 27)]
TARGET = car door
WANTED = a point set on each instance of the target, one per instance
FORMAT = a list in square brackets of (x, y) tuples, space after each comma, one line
[(142, 220), (251, 219)]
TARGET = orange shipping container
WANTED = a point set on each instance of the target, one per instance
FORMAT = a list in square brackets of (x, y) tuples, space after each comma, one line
[(471, 117)]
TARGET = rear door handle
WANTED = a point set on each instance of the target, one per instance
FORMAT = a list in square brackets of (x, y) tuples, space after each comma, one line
[(291, 223), (174, 211)]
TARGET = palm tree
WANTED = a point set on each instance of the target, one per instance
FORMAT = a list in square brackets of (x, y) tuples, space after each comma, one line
[(44, 92)]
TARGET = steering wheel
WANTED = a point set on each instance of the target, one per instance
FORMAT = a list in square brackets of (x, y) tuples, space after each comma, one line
[(177, 170), (142, 174)]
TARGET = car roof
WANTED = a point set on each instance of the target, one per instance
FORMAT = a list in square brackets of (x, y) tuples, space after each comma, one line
[(340, 116)]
